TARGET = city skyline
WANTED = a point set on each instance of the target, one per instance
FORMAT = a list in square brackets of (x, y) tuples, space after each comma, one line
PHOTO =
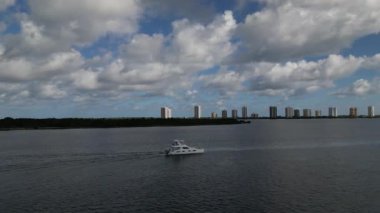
[(275, 112), (123, 58)]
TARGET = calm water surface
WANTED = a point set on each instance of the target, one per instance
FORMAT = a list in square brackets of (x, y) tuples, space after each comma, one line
[(265, 166)]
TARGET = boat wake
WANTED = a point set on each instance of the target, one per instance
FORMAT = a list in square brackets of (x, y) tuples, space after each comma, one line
[(293, 146), (33, 162)]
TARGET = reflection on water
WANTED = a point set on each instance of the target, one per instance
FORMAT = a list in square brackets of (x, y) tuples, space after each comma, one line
[(265, 166), (300, 146)]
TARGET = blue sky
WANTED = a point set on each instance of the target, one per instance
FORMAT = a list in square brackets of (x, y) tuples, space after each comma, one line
[(128, 58)]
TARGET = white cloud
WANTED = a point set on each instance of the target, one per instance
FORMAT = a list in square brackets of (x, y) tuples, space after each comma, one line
[(289, 29), (336, 66), (59, 25), (294, 78), (221, 105), (163, 65), (51, 91), (84, 21), (30, 41), (360, 87), (192, 93), (85, 79), (22, 69), (3, 26), (41, 54), (145, 49), (210, 44), (12, 91), (227, 82), (4, 4), (42, 60), (194, 9), (122, 73), (372, 63), (284, 79), (26, 78)]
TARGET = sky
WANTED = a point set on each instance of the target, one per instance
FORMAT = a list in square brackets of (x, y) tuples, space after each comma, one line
[(128, 58)]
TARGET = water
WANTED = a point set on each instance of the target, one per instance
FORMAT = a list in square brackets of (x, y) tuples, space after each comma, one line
[(266, 166)]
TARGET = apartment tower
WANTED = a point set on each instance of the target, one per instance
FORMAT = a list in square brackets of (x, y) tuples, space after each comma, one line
[(273, 112), (353, 112), (224, 114), (333, 112), (289, 112), (244, 112), (197, 111), (371, 111), (166, 112), (234, 113)]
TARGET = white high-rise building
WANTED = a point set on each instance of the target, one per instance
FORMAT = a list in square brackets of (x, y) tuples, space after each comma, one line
[(333, 112), (254, 115), (289, 112), (353, 112), (214, 115), (244, 112), (371, 111), (166, 112), (318, 113), (197, 111), (224, 114), (306, 113), (234, 113)]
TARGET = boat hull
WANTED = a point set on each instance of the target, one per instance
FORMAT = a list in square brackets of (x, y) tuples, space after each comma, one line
[(199, 151)]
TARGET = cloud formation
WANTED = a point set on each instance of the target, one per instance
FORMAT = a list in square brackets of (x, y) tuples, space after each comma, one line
[(24, 69), (58, 50), (293, 29), (4, 4), (360, 87), (194, 10), (81, 22), (290, 78), (163, 64)]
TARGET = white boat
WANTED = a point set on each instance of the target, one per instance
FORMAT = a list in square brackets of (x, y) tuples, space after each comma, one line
[(178, 147)]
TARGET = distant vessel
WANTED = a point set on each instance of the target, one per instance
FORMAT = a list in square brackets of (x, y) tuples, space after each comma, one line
[(178, 147)]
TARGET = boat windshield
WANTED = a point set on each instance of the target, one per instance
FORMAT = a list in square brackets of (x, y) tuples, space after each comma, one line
[(177, 143)]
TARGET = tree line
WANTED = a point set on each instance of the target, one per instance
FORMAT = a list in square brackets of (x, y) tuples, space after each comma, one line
[(29, 123)]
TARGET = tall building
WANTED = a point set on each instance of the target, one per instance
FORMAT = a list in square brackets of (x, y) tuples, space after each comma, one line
[(244, 112), (289, 112), (234, 113), (166, 112), (224, 114), (297, 113), (371, 111), (273, 112), (333, 112), (318, 113), (214, 115), (307, 113), (197, 111), (353, 112), (254, 115)]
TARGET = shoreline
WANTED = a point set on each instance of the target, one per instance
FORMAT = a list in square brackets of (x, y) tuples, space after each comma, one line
[(9, 124)]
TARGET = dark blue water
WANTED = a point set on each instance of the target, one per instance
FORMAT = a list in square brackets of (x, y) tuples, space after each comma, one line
[(266, 166)]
